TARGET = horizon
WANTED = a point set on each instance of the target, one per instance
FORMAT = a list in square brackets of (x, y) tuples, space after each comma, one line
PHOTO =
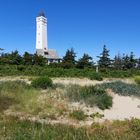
[(84, 25)]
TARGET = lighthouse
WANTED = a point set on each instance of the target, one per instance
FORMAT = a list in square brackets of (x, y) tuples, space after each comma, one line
[(41, 32), (42, 40)]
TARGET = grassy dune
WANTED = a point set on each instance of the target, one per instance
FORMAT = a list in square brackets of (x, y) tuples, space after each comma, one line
[(13, 129), (54, 103)]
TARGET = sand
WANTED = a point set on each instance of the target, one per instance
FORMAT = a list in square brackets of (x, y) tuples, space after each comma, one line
[(123, 108)]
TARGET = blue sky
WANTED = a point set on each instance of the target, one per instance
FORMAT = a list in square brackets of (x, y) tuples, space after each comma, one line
[(85, 25)]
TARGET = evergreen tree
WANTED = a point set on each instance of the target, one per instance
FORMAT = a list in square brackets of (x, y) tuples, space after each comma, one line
[(27, 59), (126, 61), (118, 63), (85, 61), (15, 58), (138, 63), (129, 61), (39, 60), (104, 60), (132, 60), (69, 59)]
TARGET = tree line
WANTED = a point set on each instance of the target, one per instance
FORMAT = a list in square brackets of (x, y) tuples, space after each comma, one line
[(120, 62)]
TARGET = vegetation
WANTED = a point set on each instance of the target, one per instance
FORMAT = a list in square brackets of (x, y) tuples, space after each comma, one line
[(85, 62), (96, 115), (120, 62), (97, 77), (42, 82), (78, 115), (19, 96), (16, 93), (104, 60), (137, 80), (11, 128), (33, 65), (69, 59), (122, 88), (89, 95), (9, 70)]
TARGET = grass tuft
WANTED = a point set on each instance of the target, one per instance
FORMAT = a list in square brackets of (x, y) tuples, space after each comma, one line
[(137, 80), (90, 95), (78, 115)]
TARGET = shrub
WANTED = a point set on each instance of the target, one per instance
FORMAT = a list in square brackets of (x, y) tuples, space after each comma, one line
[(78, 115), (90, 95), (122, 88), (96, 115), (42, 82), (135, 126), (96, 77), (137, 80)]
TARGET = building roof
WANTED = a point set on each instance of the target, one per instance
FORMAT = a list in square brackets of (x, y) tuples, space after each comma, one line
[(49, 54)]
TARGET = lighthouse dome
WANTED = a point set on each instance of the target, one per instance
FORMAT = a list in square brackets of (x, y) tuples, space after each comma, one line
[(41, 14)]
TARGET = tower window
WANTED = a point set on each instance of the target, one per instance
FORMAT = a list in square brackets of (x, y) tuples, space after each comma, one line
[(46, 53)]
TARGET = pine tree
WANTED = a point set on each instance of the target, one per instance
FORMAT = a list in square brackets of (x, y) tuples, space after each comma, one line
[(85, 61), (69, 59), (129, 61), (39, 60), (70, 56), (138, 63), (118, 63), (132, 60), (15, 58), (27, 59), (104, 60)]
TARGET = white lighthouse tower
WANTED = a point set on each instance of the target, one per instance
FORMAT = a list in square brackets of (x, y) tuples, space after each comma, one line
[(42, 40), (41, 32)]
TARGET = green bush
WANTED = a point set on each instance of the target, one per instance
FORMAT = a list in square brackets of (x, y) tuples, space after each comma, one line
[(42, 82), (35, 70), (96, 115), (96, 76), (78, 115), (90, 95), (135, 126), (137, 80)]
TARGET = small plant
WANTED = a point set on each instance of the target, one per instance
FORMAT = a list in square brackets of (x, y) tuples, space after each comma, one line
[(42, 82), (137, 80), (96, 76), (135, 126), (78, 115), (97, 115)]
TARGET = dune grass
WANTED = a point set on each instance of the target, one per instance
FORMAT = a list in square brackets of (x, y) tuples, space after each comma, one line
[(78, 115), (90, 95), (19, 96), (137, 79), (122, 88), (13, 129)]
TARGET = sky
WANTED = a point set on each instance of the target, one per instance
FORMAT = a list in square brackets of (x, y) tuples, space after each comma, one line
[(85, 25)]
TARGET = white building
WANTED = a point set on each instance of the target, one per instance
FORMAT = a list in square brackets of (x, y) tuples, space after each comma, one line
[(42, 40)]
